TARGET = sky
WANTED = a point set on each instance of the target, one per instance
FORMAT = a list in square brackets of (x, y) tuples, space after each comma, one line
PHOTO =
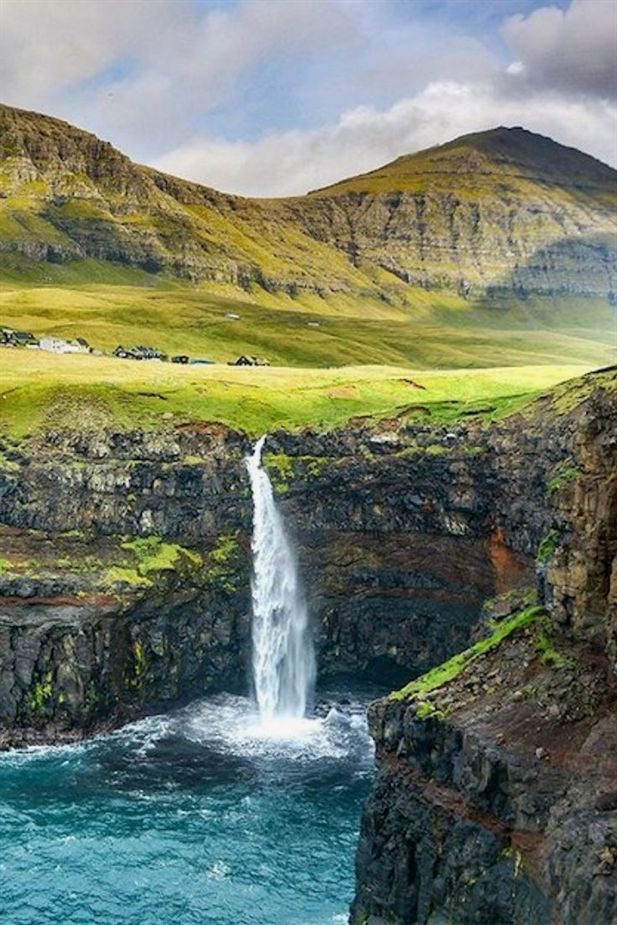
[(276, 97)]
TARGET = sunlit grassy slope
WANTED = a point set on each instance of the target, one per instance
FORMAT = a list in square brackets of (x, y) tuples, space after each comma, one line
[(87, 393), (438, 329)]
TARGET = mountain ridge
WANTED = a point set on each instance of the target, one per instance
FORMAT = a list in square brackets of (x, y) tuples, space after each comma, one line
[(469, 226), (507, 145)]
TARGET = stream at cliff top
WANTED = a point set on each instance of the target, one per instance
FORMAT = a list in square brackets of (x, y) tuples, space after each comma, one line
[(196, 817)]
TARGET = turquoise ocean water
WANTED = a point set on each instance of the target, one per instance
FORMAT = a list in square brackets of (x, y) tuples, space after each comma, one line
[(197, 817)]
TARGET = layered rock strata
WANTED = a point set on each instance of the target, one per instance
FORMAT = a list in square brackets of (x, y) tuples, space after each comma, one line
[(125, 556), (496, 795)]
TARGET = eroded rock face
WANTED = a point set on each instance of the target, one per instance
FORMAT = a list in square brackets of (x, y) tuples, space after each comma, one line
[(496, 792), (404, 529), (92, 644), (403, 232), (392, 605), (69, 670), (496, 807)]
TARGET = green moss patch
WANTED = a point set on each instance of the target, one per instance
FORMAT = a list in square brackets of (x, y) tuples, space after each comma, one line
[(563, 475), (547, 547), (546, 647), (223, 568), (41, 694), (281, 470), (153, 555), (450, 670), (117, 575), (150, 556)]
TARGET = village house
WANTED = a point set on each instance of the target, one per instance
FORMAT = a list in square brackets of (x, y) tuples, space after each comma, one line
[(141, 352), (11, 338), (249, 361), (58, 345)]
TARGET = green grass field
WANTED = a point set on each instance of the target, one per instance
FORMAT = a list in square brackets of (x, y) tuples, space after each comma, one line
[(438, 330), (333, 358), (79, 392)]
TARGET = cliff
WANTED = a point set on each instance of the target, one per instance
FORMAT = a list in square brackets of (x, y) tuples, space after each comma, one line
[(124, 588), (504, 211), (124, 554), (496, 793)]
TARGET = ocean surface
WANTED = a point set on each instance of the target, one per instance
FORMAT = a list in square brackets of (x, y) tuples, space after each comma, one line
[(197, 817)]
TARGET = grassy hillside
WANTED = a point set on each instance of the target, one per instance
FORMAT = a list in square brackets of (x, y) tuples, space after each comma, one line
[(514, 160), (77, 392), (505, 211), (436, 330), (496, 250)]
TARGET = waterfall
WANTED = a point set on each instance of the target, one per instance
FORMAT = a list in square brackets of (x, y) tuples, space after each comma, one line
[(283, 655)]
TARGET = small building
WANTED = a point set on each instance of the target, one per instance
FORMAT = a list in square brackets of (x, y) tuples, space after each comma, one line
[(149, 353), (11, 338), (250, 361), (22, 338), (81, 344), (199, 361), (57, 345), (141, 352)]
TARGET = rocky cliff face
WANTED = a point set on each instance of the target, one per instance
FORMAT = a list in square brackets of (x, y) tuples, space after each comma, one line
[(125, 570), (503, 210), (124, 558), (124, 587), (487, 213), (496, 793)]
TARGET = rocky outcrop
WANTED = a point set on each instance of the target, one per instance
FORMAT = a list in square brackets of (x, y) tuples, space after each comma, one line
[(496, 791), (441, 240), (501, 810), (95, 631)]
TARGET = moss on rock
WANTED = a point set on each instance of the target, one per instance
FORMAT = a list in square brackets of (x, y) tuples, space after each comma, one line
[(450, 670)]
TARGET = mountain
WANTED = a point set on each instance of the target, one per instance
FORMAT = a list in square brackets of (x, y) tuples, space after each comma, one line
[(504, 211)]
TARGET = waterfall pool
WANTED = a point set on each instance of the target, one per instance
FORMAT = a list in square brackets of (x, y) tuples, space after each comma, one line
[(202, 816)]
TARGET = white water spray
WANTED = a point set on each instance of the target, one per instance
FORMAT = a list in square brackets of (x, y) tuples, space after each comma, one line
[(283, 655)]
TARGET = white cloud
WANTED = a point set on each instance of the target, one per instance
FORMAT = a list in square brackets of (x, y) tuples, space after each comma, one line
[(572, 50), (291, 163), (47, 47), (200, 65), (151, 75), (135, 69)]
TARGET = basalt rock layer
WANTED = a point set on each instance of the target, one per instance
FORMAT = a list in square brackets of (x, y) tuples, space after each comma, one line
[(502, 211), (496, 796), (125, 568)]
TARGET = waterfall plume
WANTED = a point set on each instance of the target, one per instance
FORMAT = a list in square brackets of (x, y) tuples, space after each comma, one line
[(283, 654)]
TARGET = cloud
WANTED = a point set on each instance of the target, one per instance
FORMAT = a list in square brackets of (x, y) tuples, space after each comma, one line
[(312, 89), (557, 85), (201, 65), (145, 69), (46, 47), (572, 50), (289, 163)]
